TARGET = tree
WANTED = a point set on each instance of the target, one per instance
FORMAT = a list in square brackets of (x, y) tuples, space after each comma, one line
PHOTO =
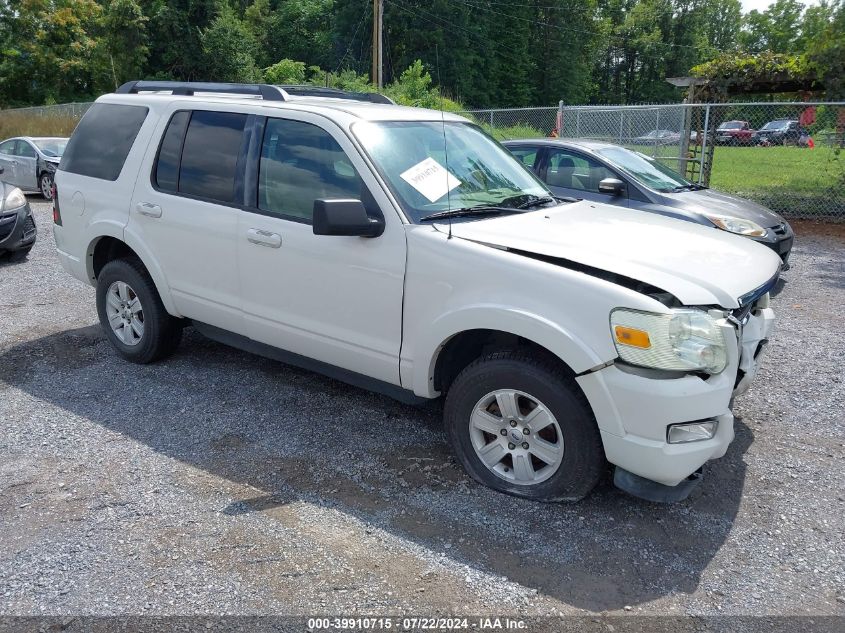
[(293, 29), (229, 49), (285, 71), (125, 40), (777, 29), (722, 22), (50, 51), (175, 29), (827, 52)]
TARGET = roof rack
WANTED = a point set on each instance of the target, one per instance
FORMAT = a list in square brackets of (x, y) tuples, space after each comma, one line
[(266, 91), (188, 88), (334, 93)]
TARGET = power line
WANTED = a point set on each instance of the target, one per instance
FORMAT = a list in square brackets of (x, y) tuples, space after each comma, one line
[(354, 35), (481, 7), (518, 56)]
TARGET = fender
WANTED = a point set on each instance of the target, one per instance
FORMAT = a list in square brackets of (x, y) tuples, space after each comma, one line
[(117, 230), (94, 232), (564, 344), (151, 263)]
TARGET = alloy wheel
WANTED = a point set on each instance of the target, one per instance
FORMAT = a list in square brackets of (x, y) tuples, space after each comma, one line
[(47, 186), (516, 437), (125, 313)]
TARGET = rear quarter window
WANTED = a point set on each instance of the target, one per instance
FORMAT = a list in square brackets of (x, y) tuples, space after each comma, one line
[(102, 140)]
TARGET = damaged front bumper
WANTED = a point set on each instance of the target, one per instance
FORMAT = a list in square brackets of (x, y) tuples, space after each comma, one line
[(634, 409)]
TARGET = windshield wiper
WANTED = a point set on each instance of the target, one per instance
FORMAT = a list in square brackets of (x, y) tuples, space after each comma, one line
[(468, 211), (689, 187), (546, 200)]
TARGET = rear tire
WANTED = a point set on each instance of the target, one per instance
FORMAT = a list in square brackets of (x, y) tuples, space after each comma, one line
[(520, 425), (132, 315)]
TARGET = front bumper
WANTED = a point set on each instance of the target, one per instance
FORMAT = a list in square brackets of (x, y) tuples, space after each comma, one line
[(780, 239), (17, 229), (633, 407)]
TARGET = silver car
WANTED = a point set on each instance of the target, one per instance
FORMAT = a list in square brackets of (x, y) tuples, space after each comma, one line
[(594, 170), (29, 162)]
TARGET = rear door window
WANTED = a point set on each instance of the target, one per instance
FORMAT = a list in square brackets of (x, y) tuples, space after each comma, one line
[(210, 155), (170, 152), (102, 140)]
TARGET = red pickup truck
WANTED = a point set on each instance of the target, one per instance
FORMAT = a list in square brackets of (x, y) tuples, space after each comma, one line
[(734, 133)]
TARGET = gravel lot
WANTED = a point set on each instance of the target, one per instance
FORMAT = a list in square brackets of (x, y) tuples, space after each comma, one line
[(223, 483)]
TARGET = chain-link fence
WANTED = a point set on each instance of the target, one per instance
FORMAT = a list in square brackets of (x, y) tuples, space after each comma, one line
[(516, 122), (51, 120), (57, 110), (789, 157)]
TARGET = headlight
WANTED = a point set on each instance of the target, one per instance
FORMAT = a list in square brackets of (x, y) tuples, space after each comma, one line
[(737, 225), (683, 340), (14, 199)]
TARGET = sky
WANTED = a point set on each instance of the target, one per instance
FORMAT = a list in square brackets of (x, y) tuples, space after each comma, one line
[(762, 5)]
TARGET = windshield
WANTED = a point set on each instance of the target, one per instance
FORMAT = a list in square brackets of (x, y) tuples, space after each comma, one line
[(51, 147), (731, 125), (775, 125), (645, 169), (427, 177)]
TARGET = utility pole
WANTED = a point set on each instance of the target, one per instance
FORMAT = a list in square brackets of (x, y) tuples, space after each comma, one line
[(378, 47)]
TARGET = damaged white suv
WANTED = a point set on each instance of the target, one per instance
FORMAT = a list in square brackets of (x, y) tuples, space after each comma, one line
[(404, 251)]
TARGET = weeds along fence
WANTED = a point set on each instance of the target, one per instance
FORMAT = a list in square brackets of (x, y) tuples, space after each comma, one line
[(51, 120), (789, 157)]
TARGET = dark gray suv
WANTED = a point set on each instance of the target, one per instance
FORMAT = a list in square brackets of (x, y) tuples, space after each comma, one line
[(593, 170)]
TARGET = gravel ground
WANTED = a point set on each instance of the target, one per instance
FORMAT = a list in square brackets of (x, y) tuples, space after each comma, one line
[(222, 483)]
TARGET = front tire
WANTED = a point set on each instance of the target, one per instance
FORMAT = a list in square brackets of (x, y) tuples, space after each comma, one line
[(132, 314), (520, 425), (45, 186)]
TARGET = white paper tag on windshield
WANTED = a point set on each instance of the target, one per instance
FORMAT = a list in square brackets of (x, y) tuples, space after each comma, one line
[(431, 179)]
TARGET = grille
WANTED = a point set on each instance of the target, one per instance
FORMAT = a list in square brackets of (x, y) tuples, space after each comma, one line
[(780, 229), (7, 224)]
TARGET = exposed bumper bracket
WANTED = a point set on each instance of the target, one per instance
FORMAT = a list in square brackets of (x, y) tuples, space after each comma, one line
[(653, 491)]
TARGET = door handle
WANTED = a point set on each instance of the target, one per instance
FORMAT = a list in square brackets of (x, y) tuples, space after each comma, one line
[(149, 209), (264, 238)]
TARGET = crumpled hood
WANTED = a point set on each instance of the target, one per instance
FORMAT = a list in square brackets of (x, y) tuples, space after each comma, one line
[(709, 201), (697, 264)]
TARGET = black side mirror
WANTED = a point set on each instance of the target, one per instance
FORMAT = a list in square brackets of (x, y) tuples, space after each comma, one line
[(345, 217), (612, 187)]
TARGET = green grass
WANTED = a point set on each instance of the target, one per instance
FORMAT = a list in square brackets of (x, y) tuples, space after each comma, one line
[(764, 169), (797, 182)]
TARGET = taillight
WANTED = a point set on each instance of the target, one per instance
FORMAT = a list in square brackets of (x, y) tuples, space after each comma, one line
[(57, 215)]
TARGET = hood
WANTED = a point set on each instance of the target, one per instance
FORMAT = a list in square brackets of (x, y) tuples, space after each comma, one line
[(709, 201), (53, 159), (697, 264)]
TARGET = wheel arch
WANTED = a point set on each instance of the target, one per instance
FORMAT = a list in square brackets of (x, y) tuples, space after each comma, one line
[(447, 350), (109, 246)]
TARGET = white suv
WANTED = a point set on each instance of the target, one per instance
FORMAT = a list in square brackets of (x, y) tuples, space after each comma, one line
[(404, 251)]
